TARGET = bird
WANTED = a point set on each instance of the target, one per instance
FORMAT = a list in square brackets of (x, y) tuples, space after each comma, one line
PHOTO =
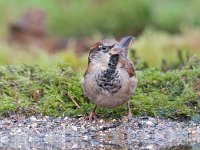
[(110, 78)]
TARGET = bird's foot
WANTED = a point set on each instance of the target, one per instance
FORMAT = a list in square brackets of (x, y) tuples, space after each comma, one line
[(92, 116), (128, 117)]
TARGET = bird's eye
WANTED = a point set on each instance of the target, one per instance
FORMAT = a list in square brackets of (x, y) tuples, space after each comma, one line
[(104, 47)]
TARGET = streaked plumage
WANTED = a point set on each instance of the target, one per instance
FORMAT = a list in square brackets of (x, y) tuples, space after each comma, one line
[(110, 78)]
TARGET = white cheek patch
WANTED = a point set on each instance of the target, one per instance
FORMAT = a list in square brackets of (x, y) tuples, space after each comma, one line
[(105, 44), (100, 46), (100, 61)]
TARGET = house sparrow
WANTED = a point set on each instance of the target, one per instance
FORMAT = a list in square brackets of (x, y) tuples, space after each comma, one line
[(110, 79)]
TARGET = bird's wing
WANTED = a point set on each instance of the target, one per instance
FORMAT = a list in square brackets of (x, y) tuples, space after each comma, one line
[(86, 99), (88, 67), (129, 67)]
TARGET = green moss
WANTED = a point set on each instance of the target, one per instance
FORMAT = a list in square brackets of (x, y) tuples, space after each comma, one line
[(31, 90), (166, 94)]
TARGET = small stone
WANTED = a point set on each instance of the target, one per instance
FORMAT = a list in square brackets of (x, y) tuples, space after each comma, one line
[(74, 128), (149, 147), (32, 118), (4, 139), (82, 127), (34, 125), (47, 117), (150, 123), (74, 146), (114, 120), (6, 121), (92, 128), (101, 127), (85, 137), (19, 125), (16, 131), (101, 121), (66, 118), (62, 124), (193, 133), (30, 139), (123, 136), (43, 119)]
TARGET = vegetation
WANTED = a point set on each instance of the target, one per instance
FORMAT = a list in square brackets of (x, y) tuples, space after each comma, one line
[(74, 18), (153, 48), (28, 90)]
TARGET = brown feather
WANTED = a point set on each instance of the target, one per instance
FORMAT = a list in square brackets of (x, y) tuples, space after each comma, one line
[(88, 68), (128, 66), (93, 49)]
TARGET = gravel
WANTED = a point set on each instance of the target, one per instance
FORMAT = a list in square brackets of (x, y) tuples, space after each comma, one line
[(42, 132)]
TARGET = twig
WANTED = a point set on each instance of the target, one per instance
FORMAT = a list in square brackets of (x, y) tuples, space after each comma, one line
[(73, 100)]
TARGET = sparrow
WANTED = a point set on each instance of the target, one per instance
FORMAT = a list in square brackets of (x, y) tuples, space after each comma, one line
[(110, 78)]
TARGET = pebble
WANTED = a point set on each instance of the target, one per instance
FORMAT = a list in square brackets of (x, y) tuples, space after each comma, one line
[(150, 147), (74, 128), (150, 123), (30, 139), (66, 118), (34, 125), (74, 146), (43, 132), (4, 139), (19, 125), (33, 118), (101, 121)]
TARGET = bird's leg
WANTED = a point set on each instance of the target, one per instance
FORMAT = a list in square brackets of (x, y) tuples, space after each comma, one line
[(93, 115), (129, 116)]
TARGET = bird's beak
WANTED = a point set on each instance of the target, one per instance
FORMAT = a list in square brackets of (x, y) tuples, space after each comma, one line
[(126, 42), (116, 49)]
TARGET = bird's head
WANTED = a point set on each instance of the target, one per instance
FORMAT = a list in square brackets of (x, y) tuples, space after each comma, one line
[(103, 50)]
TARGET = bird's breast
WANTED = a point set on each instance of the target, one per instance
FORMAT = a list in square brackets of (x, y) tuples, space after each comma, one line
[(108, 81), (109, 89)]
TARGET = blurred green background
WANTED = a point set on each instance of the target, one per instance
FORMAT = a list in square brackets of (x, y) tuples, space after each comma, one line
[(167, 31), (114, 17)]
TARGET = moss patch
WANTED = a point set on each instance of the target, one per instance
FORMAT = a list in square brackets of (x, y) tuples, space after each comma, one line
[(31, 90)]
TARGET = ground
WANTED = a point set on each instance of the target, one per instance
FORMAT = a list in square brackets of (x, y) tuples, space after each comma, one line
[(42, 132)]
